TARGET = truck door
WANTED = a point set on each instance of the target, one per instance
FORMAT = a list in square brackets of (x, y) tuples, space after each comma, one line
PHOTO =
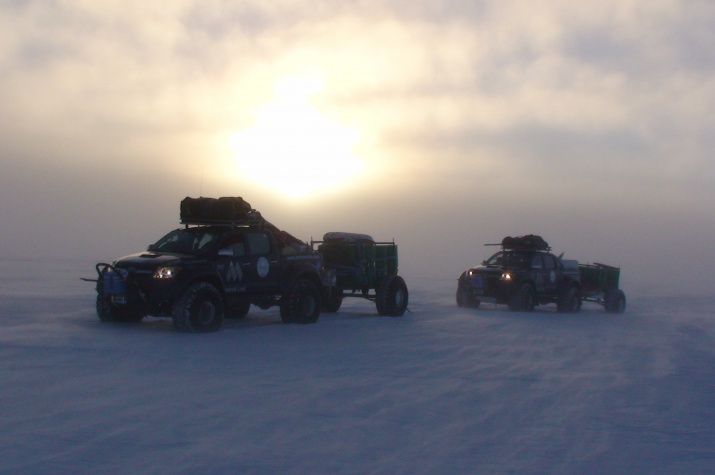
[(543, 273), (248, 262), (550, 274), (264, 261), (537, 272), (233, 263)]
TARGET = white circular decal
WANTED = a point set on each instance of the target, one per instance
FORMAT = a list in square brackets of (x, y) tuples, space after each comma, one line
[(263, 267)]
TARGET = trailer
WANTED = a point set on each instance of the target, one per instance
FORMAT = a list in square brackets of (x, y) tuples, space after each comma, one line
[(599, 284), (362, 267)]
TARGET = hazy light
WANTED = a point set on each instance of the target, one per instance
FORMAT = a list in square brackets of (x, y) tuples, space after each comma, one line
[(294, 148)]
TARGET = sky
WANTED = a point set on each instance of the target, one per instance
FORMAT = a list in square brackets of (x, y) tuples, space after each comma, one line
[(443, 125)]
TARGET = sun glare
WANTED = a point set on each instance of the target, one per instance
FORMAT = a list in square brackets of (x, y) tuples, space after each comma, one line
[(292, 147)]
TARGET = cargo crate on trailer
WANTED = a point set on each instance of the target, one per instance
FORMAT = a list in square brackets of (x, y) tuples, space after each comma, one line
[(362, 268), (599, 283)]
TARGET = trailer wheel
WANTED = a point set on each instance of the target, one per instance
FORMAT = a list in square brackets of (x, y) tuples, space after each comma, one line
[(523, 300), (199, 310), (569, 300), (392, 296), (109, 313), (615, 301), (301, 304)]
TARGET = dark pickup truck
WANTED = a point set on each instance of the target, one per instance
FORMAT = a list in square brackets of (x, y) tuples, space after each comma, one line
[(525, 273), (224, 259), (522, 275)]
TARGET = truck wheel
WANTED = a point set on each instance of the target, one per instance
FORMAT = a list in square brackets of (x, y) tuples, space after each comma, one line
[(301, 304), (199, 310), (569, 300), (392, 296), (238, 311), (523, 300), (332, 303), (466, 300), (109, 313), (615, 301)]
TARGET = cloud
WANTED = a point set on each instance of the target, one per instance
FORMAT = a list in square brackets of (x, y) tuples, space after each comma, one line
[(129, 69)]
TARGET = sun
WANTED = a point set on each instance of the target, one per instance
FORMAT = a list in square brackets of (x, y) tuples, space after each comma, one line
[(294, 148)]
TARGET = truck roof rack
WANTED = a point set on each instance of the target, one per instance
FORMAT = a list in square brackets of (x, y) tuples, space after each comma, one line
[(253, 219)]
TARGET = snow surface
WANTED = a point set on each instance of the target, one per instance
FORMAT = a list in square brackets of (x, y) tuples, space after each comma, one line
[(440, 390)]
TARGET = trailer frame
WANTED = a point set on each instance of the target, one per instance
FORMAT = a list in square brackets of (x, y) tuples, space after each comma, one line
[(599, 284)]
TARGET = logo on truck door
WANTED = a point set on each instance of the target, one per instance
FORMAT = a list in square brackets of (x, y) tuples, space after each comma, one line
[(263, 267), (234, 273)]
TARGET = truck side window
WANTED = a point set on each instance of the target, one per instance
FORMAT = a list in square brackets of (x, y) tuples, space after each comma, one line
[(549, 262), (536, 262), (258, 243), (235, 244)]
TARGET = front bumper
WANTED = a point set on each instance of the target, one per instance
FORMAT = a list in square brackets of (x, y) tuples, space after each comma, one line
[(485, 287), (136, 289)]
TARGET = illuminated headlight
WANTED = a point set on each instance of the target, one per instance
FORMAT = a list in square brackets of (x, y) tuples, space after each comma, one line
[(506, 276), (166, 272)]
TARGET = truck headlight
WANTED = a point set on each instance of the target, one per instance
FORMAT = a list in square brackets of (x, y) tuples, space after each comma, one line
[(166, 272), (506, 276)]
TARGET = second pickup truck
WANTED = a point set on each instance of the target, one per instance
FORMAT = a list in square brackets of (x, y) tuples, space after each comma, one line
[(525, 274)]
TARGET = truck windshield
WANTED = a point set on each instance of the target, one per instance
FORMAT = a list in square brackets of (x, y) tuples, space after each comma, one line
[(509, 259), (186, 241)]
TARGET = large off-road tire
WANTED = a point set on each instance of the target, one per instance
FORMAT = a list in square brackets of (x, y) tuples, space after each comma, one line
[(239, 311), (109, 313), (464, 299), (199, 310), (615, 301), (569, 300), (523, 299), (331, 303), (392, 296), (301, 304)]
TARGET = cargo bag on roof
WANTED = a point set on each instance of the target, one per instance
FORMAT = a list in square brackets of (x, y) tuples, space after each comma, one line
[(530, 241), (228, 208)]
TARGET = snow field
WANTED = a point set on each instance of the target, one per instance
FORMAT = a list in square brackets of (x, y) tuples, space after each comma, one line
[(440, 390)]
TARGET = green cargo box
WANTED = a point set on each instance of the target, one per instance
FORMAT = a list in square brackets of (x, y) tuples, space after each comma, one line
[(360, 265), (362, 268), (598, 278)]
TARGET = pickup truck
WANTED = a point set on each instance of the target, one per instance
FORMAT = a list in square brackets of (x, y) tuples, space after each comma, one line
[(224, 259), (522, 275), (525, 273)]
